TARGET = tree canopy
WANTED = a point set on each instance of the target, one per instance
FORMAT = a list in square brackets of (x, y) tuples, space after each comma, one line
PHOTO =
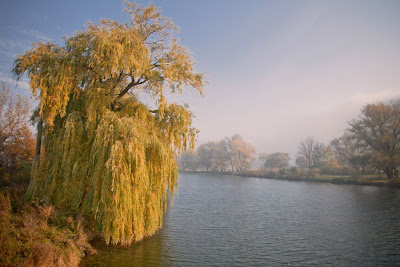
[(242, 153), (107, 153), (377, 131), (218, 155), (278, 160), (16, 139), (350, 154), (312, 154)]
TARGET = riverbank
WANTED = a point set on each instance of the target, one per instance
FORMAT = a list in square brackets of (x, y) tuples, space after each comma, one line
[(370, 180), (36, 234)]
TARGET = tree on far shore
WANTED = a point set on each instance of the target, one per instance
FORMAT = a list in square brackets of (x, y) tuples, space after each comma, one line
[(312, 154), (350, 154), (241, 152), (218, 155), (277, 160), (377, 130), (188, 160)]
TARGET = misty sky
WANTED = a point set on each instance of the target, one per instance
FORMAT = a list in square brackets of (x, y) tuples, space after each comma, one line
[(278, 71)]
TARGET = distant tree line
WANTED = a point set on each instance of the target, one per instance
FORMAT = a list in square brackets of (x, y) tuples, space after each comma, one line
[(369, 144), (313, 155), (230, 153), (277, 160)]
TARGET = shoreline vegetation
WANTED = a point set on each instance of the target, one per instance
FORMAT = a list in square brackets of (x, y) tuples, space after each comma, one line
[(38, 234), (369, 180)]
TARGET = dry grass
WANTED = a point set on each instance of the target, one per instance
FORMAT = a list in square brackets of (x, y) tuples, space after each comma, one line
[(39, 236)]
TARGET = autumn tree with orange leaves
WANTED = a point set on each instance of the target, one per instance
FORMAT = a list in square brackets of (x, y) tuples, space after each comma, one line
[(16, 139), (377, 131)]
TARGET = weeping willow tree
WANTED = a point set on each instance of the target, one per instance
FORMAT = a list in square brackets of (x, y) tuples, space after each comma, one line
[(105, 152)]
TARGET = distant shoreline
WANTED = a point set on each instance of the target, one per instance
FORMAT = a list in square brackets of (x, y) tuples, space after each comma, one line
[(346, 180)]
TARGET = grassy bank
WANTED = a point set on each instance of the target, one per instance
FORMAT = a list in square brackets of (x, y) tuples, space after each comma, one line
[(375, 180), (36, 234)]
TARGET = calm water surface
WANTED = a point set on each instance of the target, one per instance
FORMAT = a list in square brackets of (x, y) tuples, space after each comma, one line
[(240, 221)]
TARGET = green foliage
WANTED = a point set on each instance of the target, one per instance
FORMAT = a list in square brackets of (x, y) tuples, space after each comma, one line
[(106, 153)]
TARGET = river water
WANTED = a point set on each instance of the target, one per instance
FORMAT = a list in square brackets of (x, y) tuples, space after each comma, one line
[(219, 220)]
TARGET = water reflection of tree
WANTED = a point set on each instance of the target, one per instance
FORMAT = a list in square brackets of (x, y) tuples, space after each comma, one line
[(149, 252)]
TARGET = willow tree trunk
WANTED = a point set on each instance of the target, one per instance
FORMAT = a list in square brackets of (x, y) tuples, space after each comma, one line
[(38, 141)]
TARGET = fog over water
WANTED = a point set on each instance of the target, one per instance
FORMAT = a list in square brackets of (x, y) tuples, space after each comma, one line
[(278, 71)]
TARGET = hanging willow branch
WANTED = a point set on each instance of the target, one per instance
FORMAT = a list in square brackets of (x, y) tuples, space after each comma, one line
[(107, 154)]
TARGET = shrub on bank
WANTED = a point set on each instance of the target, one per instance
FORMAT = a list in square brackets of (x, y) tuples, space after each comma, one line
[(36, 235), (30, 236)]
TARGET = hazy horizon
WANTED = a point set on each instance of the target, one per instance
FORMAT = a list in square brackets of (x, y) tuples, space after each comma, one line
[(278, 71)]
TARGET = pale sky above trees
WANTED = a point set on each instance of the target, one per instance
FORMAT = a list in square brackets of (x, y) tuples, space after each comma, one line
[(278, 71)]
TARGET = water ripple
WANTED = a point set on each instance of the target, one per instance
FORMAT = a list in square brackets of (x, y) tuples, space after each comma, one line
[(237, 221)]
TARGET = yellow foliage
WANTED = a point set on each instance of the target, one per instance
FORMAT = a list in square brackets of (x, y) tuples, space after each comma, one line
[(107, 154)]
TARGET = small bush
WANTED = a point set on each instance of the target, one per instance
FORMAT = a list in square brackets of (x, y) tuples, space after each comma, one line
[(32, 237)]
